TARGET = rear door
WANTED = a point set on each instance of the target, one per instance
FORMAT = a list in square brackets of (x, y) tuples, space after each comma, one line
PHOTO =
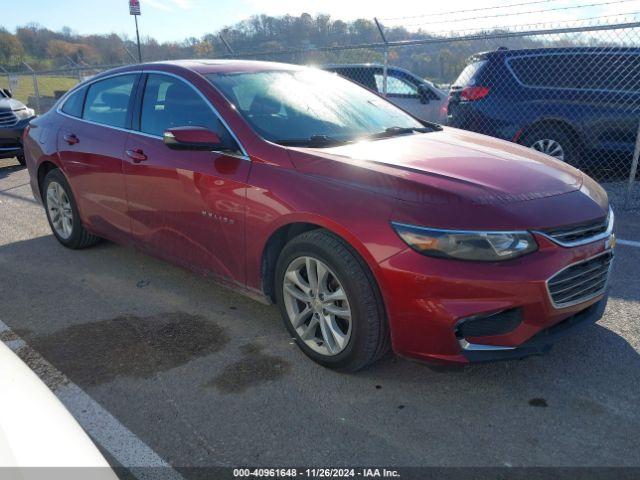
[(186, 206), (610, 86), (91, 143)]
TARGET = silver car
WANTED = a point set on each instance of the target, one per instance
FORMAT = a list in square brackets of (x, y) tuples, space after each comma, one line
[(416, 95)]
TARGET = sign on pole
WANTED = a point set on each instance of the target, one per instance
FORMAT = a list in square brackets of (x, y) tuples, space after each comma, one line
[(134, 7)]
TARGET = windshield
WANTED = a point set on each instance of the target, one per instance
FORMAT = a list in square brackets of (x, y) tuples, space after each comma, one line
[(295, 107)]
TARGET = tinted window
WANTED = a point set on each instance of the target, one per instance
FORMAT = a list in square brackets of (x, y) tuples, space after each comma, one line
[(611, 72), (108, 100), (73, 104), (170, 102), (556, 71)]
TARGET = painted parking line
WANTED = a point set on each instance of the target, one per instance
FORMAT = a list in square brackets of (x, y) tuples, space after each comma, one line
[(122, 444), (628, 243)]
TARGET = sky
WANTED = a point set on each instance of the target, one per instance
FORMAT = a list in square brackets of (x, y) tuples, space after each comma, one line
[(174, 20)]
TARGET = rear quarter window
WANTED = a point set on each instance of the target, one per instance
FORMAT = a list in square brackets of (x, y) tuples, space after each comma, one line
[(468, 75), (619, 72), (73, 104)]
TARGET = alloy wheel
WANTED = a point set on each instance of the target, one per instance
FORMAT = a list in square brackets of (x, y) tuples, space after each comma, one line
[(550, 147), (59, 210), (317, 305)]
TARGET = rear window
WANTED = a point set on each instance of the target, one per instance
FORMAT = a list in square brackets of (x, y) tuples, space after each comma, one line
[(468, 75)]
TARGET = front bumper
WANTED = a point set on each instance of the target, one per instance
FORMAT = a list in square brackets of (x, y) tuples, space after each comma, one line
[(427, 298), (11, 139), (539, 343)]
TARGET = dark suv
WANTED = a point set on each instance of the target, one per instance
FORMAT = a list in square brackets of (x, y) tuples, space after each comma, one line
[(580, 105), (14, 117)]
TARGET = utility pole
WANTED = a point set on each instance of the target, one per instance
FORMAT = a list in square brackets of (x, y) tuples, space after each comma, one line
[(134, 9), (385, 66), (138, 39)]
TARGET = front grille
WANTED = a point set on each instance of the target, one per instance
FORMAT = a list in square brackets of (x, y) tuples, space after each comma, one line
[(579, 233), (581, 281), (8, 118)]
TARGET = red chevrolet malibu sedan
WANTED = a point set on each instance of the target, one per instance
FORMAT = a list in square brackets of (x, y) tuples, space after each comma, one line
[(368, 228)]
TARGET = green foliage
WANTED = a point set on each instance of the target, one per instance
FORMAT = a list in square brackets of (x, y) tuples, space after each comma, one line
[(439, 61)]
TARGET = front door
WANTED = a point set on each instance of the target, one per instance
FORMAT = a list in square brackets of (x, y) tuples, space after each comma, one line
[(186, 206)]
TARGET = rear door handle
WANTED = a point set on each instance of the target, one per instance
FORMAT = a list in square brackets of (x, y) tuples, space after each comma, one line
[(71, 138), (137, 155)]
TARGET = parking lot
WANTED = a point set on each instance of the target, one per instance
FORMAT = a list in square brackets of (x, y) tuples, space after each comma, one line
[(162, 366)]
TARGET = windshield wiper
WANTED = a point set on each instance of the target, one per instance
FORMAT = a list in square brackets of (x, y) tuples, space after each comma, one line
[(314, 141), (393, 131)]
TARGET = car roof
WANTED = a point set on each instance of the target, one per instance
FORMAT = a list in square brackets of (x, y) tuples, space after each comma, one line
[(352, 65), (505, 52), (207, 66)]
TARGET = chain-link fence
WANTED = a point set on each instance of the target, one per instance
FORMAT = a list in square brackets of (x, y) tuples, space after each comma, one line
[(570, 89)]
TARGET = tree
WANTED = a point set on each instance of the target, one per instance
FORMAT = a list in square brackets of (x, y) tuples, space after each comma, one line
[(11, 50)]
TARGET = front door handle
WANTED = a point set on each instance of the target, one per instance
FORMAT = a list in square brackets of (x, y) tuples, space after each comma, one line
[(71, 138), (137, 155)]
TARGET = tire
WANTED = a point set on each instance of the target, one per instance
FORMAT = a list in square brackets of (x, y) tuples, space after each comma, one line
[(547, 139), (21, 160), (365, 335), (56, 193)]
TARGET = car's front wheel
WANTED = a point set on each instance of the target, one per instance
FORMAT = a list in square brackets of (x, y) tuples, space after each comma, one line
[(62, 212), (330, 302)]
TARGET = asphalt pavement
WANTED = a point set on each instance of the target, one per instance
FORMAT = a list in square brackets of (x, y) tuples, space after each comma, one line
[(197, 375)]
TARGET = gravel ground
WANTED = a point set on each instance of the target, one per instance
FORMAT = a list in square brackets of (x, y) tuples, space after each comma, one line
[(206, 377)]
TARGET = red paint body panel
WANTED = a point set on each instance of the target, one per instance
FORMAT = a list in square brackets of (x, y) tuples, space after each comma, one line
[(93, 167), (215, 213)]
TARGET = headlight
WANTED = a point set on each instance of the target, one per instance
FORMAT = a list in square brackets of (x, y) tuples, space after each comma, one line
[(24, 112), (466, 245)]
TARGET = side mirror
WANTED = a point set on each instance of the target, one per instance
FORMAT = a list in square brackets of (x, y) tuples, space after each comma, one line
[(193, 138), (7, 92), (424, 93)]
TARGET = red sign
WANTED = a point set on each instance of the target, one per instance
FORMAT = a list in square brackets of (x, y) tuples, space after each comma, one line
[(134, 7)]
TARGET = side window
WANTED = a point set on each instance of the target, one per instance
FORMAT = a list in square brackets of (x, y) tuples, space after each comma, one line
[(169, 102), (358, 75), (73, 104), (555, 71), (396, 85), (108, 100), (611, 72)]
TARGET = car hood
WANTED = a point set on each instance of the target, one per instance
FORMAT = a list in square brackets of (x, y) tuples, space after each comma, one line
[(443, 166), (10, 104)]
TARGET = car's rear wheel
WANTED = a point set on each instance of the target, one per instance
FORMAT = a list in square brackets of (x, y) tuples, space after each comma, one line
[(330, 303), (62, 212), (554, 142)]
